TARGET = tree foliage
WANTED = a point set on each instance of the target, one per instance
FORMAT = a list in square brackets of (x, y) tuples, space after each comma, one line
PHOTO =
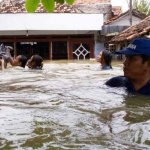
[(49, 5), (141, 5)]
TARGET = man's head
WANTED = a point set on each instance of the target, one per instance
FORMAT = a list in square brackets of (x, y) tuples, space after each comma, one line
[(105, 58), (35, 62), (137, 62), (20, 60)]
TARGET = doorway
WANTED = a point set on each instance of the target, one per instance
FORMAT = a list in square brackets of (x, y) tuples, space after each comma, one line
[(81, 50), (31, 48), (59, 50)]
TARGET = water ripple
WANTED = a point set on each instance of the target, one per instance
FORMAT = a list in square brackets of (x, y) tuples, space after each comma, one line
[(67, 106)]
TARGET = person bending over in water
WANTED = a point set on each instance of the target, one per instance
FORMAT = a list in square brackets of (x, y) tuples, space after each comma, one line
[(35, 62), (20, 60), (105, 58)]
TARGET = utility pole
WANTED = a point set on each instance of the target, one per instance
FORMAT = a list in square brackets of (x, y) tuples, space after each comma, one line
[(130, 12)]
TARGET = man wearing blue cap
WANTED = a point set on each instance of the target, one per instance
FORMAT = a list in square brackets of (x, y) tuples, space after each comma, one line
[(136, 68)]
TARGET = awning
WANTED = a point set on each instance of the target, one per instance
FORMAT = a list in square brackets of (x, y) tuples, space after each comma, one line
[(49, 23), (107, 29)]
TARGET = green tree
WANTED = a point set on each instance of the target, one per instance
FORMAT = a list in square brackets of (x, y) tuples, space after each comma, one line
[(141, 5), (49, 5)]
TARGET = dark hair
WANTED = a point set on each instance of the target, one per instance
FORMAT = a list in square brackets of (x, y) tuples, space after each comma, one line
[(38, 60), (107, 56), (23, 60)]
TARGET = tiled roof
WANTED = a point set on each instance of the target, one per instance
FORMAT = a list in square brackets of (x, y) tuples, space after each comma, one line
[(91, 1), (134, 13), (18, 6), (116, 10), (132, 32)]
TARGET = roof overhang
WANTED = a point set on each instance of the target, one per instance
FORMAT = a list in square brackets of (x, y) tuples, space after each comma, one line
[(49, 23), (108, 29), (112, 34)]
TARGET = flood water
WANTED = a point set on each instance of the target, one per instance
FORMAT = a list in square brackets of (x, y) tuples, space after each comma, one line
[(66, 106)]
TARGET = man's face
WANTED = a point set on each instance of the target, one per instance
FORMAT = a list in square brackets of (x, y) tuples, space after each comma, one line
[(134, 68)]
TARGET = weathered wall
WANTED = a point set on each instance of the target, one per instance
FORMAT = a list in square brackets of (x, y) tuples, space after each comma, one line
[(99, 43), (105, 9)]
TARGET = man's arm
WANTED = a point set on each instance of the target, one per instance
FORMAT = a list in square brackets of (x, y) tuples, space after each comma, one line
[(11, 60)]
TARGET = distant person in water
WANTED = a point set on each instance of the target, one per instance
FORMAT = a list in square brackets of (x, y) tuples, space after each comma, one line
[(105, 58), (5, 55), (35, 62), (136, 68)]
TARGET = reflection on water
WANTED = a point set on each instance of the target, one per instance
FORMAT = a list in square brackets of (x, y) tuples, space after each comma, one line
[(66, 106)]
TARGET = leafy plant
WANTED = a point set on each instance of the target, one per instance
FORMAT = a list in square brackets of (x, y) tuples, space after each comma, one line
[(141, 5), (49, 5)]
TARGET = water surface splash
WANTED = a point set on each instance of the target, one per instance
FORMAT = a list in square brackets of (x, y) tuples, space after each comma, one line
[(67, 106)]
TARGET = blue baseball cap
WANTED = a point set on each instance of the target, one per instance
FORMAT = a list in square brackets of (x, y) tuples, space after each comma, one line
[(139, 46)]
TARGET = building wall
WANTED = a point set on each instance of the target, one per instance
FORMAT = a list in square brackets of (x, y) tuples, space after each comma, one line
[(99, 43), (82, 43), (98, 48), (125, 21), (91, 1), (105, 9), (97, 8)]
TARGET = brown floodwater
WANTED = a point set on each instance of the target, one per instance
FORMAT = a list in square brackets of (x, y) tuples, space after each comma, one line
[(66, 106)]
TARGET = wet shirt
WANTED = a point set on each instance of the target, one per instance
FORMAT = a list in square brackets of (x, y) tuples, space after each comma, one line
[(104, 68), (122, 81)]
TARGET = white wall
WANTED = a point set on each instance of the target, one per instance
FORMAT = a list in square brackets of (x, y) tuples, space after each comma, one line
[(49, 22), (98, 48), (125, 21)]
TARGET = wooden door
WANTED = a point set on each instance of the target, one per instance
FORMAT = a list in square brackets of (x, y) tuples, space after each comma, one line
[(81, 50)]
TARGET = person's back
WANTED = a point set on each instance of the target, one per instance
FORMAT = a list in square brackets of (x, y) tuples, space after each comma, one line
[(35, 62)]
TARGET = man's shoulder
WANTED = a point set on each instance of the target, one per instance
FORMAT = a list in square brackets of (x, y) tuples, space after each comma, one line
[(119, 81), (145, 89)]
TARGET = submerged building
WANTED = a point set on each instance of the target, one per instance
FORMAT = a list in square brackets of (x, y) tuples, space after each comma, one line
[(71, 32)]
